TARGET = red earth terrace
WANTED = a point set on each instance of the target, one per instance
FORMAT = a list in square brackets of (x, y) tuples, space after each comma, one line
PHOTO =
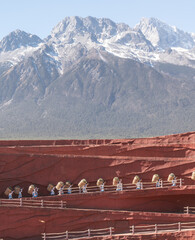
[(145, 211)]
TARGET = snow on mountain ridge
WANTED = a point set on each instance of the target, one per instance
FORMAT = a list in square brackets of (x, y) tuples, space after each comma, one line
[(102, 28), (17, 39), (163, 36), (193, 36), (89, 32), (71, 38), (18, 54)]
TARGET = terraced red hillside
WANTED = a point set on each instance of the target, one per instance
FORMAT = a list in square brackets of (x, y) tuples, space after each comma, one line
[(41, 162)]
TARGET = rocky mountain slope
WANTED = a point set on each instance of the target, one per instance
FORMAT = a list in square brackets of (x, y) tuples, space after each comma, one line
[(94, 78)]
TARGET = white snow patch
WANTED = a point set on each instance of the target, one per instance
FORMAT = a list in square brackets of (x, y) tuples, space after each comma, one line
[(101, 57), (5, 104), (44, 114), (19, 54)]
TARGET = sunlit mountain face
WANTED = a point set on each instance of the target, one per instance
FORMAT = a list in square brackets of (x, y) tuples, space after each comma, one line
[(93, 78)]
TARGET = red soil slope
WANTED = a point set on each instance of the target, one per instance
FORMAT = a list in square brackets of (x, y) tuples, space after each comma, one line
[(26, 223), (43, 162)]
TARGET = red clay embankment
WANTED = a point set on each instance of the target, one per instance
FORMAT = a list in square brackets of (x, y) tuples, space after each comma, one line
[(48, 161), (29, 223)]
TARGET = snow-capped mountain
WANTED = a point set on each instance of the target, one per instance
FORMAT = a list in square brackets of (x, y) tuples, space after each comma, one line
[(88, 33), (18, 39), (163, 36), (72, 29), (149, 42), (93, 76), (15, 47)]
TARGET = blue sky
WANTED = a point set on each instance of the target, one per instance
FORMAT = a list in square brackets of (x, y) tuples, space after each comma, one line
[(40, 16)]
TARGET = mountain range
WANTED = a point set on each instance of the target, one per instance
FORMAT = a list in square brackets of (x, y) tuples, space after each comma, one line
[(94, 78)]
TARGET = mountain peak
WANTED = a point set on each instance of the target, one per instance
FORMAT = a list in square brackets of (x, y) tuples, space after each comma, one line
[(67, 24), (90, 27), (164, 36), (17, 39)]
